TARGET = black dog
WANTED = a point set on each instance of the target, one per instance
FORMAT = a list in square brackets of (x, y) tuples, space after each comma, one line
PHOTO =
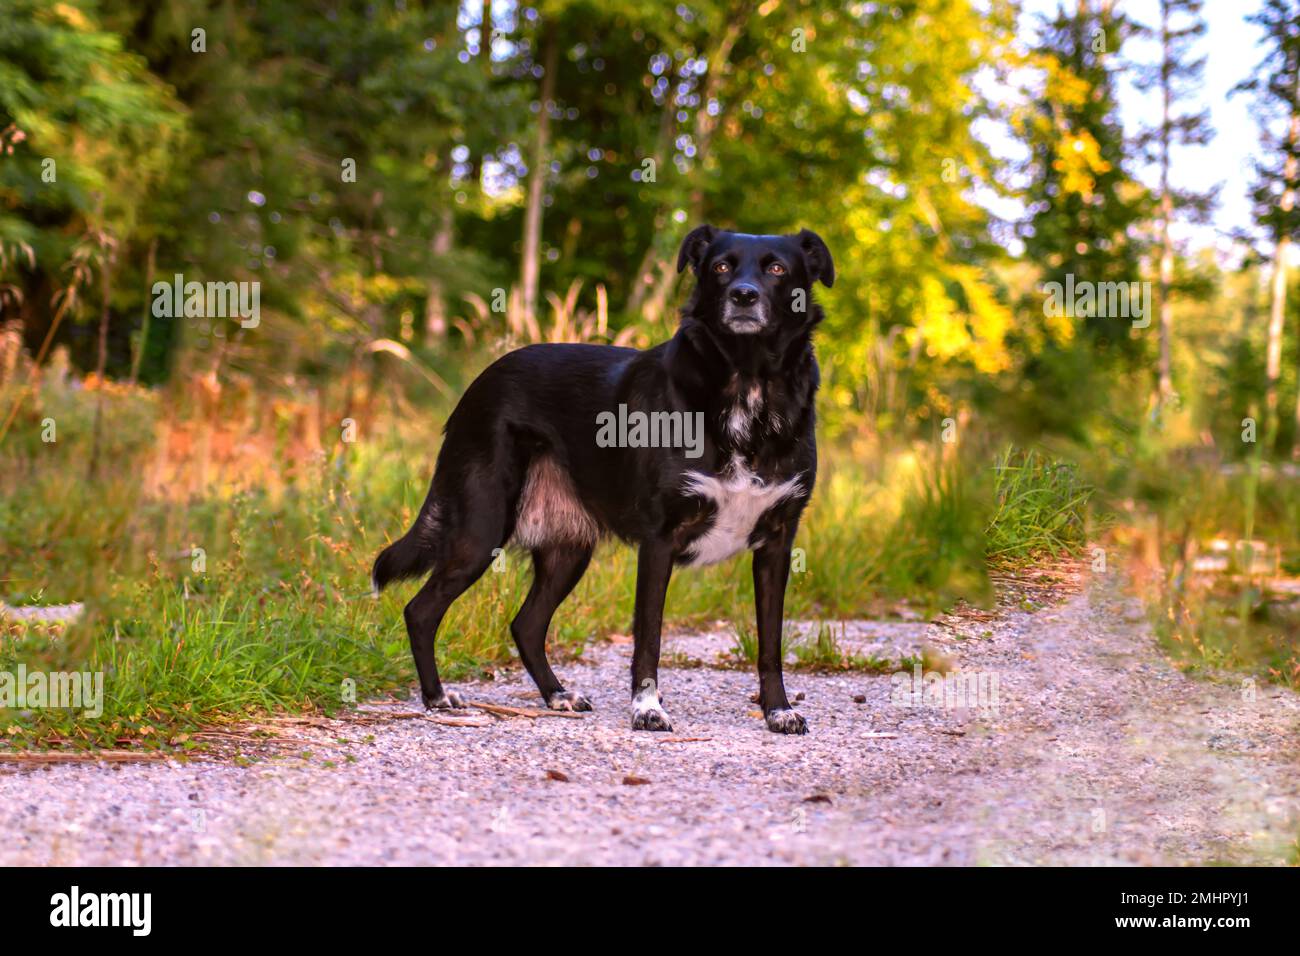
[(531, 458)]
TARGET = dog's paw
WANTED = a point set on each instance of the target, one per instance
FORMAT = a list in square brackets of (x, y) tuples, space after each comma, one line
[(786, 721), (568, 700), (647, 709), (650, 718), (450, 700)]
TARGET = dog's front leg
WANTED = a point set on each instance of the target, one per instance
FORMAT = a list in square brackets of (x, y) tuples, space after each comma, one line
[(654, 567), (771, 573)]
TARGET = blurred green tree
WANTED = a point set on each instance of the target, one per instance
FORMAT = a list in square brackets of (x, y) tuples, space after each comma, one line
[(1085, 209)]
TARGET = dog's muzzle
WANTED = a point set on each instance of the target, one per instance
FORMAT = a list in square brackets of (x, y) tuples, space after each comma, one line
[(746, 318)]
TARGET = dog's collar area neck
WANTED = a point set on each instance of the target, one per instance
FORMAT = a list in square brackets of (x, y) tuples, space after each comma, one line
[(755, 354)]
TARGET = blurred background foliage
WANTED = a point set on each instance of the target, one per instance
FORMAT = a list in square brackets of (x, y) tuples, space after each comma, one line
[(494, 201), (419, 186), (856, 120), (483, 182)]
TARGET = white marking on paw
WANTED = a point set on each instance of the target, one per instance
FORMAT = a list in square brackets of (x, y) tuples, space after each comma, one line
[(786, 722), (741, 500), (645, 704), (568, 700), (450, 700)]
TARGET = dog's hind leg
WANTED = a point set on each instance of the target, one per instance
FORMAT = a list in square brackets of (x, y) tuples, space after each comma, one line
[(556, 570), (424, 615), (468, 555)]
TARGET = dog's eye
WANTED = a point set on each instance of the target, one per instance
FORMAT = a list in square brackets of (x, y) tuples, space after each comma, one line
[(721, 267), (776, 269)]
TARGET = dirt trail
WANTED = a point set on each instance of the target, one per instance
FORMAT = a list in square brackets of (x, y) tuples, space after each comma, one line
[(1098, 752)]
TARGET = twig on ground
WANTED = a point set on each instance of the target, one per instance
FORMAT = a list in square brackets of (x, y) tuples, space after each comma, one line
[(529, 712), (110, 756), (682, 740), (460, 721)]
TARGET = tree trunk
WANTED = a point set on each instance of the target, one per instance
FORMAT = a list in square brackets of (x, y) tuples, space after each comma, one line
[(1295, 432), (1277, 314), (1166, 388), (657, 250), (435, 308), (148, 310), (706, 124), (530, 268), (101, 364), (1273, 364)]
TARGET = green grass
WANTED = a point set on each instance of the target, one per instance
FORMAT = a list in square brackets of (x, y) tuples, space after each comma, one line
[(822, 651), (819, 651), (277, 616), (1207, 633), (745, 648), (1040, 507), (1173, 504)]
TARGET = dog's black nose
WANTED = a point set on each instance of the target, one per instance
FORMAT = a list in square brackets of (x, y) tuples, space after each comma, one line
[(743, 294)]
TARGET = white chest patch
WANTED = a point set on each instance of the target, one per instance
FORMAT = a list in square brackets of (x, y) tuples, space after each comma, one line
[(741, 500)]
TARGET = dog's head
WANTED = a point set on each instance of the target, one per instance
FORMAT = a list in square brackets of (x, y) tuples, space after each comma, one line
[(755, 285)]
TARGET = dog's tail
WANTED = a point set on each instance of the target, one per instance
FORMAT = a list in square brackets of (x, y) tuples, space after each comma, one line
[(411, 555)]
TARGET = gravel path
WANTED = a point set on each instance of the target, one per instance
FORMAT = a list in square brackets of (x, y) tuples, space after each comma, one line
[(1098, 752)]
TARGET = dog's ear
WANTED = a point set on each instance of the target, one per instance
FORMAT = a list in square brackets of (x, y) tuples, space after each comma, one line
[(818, 258), (695, 244)]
